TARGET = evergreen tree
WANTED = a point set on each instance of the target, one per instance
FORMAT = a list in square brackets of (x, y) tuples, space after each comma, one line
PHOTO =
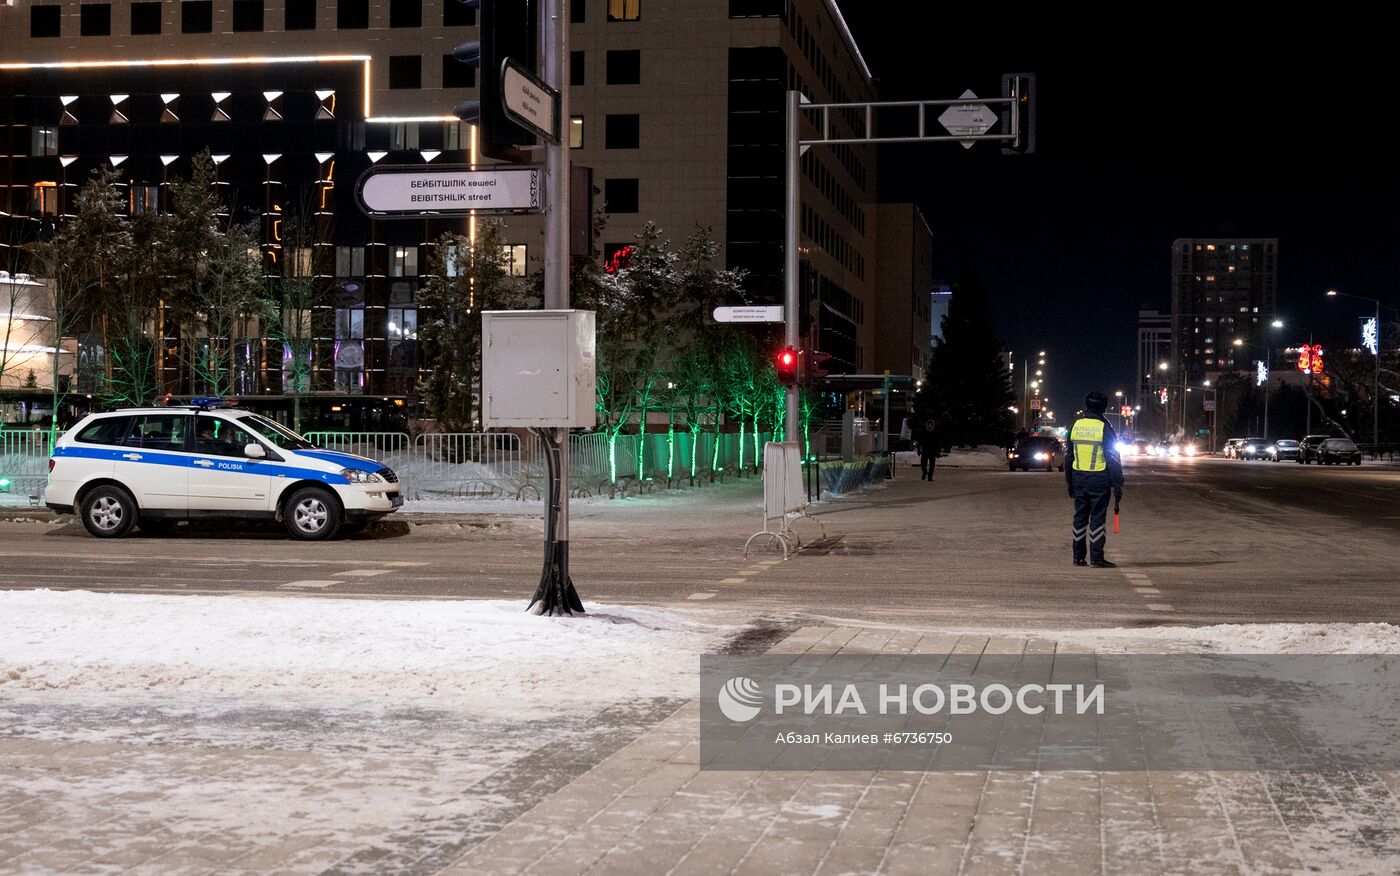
[(968, 390)]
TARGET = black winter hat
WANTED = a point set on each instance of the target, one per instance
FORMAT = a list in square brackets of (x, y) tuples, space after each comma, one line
[(1096, 402)]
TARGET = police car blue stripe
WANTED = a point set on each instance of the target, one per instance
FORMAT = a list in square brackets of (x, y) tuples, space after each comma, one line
[(157, 457), (344, 460)]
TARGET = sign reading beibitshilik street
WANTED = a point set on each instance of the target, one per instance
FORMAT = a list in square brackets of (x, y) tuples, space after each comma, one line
[(968, 119), (412, 191), (758, 313)]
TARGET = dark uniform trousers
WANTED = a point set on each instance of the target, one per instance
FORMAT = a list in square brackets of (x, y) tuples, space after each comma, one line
[(1091, 492)]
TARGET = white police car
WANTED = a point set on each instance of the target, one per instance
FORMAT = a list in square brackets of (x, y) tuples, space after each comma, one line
[(151, 467)]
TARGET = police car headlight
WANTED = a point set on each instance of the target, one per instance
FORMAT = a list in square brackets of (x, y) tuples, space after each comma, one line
[(355, 476)]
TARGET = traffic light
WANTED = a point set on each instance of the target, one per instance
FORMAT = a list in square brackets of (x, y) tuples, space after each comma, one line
[(815, 360), (786, 364), (507, 29), (1021, 88)]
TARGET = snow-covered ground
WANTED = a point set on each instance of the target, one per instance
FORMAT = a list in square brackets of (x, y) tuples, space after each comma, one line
[(436, 654), (984, 456)]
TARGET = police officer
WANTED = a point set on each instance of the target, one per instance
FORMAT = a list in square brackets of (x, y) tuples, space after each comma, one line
[(1094, 470)]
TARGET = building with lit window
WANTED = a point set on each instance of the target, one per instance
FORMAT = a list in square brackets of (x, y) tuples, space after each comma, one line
[(1223, 290), (1154, 347), (677, 110)]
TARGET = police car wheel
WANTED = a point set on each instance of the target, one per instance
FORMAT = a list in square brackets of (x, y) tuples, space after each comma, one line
[(312, 514), (108, 512)]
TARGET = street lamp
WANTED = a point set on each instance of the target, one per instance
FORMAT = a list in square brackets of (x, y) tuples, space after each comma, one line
[(1376, 388)]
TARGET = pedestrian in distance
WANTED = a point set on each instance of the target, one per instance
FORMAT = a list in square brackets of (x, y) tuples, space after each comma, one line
[(1095, 470), (927, 439)]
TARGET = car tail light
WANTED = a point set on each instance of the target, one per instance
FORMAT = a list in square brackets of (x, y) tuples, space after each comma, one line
[(51, 462)]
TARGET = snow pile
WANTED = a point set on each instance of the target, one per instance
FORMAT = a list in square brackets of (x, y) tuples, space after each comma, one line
[(982, 456), (476, 657)]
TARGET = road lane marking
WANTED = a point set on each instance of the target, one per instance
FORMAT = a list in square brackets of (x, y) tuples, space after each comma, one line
[(308, 585), (362, 573), (733, 581), (747, 572), (407, 563), (701, 596), (1159, 606), (1153, 591)]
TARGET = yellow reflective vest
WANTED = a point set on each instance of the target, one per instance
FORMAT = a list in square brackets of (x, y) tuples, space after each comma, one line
[(1087, 446)]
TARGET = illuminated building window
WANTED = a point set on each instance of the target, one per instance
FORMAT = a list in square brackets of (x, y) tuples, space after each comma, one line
[(455, 136), (455, 74), (576, 68), (576, 132), (620, 196), (624, 67), (44, 21), (299, 15), (352, 14), (405, 13), (349, 261), (297, 261), (145, 19), (142, 199), (514, 255), (196, 16), (624, 10), (405, 71), (43, 141), (622, 132), (403, 135), (1210, 247), (95, 19), (247, 16), (403, 261), (43, 198)]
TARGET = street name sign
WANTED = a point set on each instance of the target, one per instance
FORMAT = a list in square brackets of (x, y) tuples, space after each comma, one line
[(770, 313), (968, 119), (529, 101), (410, 191)]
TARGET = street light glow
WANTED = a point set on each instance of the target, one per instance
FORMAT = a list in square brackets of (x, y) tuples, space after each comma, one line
[(1278, 323), (1162, 366)]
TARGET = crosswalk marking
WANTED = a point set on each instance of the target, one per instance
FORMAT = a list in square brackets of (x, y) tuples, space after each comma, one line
[(362, 573), (308, 585), (701, 596)]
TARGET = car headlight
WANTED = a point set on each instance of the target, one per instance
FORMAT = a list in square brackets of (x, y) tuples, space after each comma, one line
[(355, 476), (1042, 456), (1122, 448), (1191, 450)]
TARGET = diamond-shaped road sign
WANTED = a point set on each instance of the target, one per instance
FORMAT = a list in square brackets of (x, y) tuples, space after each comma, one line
[(968, 119)]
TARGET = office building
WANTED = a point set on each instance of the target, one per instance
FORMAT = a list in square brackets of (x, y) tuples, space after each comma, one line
[(1223, 290)]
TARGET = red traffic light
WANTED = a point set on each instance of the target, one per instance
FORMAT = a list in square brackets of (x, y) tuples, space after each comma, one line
[(786, 365)]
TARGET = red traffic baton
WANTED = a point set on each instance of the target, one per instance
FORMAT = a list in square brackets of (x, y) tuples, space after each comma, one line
[(1115, 516)]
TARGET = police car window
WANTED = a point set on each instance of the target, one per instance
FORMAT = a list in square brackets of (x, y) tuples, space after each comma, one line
[(278, 434), (158, 432), (109, 430), (219, 437)]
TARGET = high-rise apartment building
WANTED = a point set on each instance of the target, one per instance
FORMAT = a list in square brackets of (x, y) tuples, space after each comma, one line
[(677, 109), (1154, 349), (1223, 291)]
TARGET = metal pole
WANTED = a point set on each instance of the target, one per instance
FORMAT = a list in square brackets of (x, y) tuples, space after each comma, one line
[(790, 219), (1376, 391), (889, 472), (1266, 410)]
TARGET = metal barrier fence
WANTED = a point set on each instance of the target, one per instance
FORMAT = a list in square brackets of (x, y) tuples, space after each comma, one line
[(501, 464), (1380, 452), (24, 462)]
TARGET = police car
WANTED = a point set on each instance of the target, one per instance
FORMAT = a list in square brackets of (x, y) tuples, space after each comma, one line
[(152, 467)]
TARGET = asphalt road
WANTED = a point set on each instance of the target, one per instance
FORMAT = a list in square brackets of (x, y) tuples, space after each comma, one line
[(1202, 541)]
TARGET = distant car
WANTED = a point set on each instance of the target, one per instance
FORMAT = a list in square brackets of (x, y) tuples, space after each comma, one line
[(1284, 448), (1232, 447), (1166, 448), (1141, 447), (1339, 451), (1253, 448), (1037, 452), (1307, 448)]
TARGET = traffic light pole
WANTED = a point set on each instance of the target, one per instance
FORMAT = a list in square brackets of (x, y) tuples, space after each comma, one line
[(791, 315), (556, 594)]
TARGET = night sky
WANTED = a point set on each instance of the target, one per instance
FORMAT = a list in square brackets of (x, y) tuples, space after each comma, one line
[(1182, 125)]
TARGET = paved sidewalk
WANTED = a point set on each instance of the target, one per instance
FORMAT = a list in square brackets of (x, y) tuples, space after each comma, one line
[(648, 809)]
